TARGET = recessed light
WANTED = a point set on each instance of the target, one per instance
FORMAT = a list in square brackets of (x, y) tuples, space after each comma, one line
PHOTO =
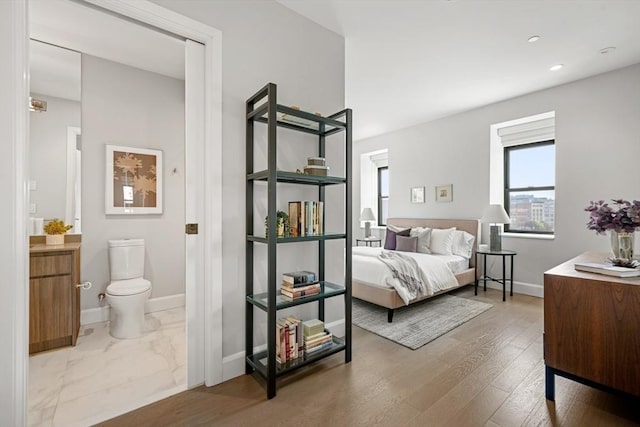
[(556, 67), (533, 39), (607, 49)]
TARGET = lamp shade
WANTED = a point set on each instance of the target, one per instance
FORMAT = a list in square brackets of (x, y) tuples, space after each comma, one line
[(495, 214), (367, 215)]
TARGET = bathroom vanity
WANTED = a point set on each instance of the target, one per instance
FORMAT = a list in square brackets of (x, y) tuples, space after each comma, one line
[(54, 298)]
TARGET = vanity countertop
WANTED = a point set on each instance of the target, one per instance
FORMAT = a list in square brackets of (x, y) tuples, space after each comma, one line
[(41, 247)]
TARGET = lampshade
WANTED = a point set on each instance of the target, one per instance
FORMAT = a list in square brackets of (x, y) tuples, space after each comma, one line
[(495, 214), (367, 215)]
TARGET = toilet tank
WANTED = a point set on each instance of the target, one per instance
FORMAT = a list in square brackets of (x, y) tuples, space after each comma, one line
[(126, 259)]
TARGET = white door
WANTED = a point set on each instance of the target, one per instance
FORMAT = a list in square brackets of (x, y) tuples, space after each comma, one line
[(194, 209)]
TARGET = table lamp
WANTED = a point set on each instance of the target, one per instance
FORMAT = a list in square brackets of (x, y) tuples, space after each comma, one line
[(494, 215), (367, 215)]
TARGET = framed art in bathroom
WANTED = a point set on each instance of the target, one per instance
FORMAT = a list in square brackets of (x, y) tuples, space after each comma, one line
[(133, 181)]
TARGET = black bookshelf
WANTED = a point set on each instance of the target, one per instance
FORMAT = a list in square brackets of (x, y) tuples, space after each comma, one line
[(263, 108)]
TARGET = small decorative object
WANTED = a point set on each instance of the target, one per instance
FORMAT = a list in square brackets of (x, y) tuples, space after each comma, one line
[(282, 224), (367, 216), (417, 195), (624, 262), (444, 193), (620, 220), (55, 230), (495, 215), (133, 180)]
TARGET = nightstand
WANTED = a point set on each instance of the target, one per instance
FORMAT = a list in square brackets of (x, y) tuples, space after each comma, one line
[(504, 254), (369, 241)]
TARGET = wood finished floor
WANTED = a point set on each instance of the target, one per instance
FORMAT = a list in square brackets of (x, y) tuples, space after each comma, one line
[(487, 372)]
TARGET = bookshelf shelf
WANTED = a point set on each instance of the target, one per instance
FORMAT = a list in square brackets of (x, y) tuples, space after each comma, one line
[(259, 360), (297, 178), (262, 108), (327, 290), (311, 238)]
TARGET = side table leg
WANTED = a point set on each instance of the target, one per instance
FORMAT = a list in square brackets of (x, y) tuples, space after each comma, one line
[(512, 275), (484, 271), (504, 278), (549, 384), (475, 288)]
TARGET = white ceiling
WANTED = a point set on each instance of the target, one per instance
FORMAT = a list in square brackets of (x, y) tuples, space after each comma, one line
[(87, 30), (54, 71), (410, 61)]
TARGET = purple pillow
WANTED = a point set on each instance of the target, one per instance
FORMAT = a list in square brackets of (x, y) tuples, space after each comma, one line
[(390, 240), (406, 244)]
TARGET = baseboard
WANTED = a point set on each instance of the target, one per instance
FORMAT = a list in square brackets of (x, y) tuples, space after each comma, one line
[(101, 314), (233, 365), (518, 288)]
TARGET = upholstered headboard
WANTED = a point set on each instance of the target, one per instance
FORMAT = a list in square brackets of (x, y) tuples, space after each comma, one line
[(471, 226)]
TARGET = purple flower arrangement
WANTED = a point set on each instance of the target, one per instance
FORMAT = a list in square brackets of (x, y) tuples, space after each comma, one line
[(623, 217)]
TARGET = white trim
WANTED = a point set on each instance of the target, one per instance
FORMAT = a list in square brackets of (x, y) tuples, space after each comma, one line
[(211, 320), (101, 314), (233, 365), (531, 289), (14, 296)]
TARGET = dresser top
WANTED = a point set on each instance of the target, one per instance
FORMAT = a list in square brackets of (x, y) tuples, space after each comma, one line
[(567, 269)]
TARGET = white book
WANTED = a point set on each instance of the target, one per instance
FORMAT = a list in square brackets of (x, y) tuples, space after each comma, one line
[(608, 269)]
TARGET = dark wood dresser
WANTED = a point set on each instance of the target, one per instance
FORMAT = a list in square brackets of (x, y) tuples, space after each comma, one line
[(54, 298), (591, 328)]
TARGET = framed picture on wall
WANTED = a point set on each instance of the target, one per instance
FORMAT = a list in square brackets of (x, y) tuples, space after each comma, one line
[(133, 181), (444, 193), (417, 195)]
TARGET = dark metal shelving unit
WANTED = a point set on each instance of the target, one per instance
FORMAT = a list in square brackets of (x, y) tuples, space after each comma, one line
[(263, 108)]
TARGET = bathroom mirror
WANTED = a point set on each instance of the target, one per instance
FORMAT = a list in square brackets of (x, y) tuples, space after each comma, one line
[(55, 151)]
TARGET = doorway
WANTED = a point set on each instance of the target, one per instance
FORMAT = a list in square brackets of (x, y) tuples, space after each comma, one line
[(204, 291)]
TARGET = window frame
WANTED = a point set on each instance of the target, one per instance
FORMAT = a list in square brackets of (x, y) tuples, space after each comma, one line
[(380, 196), (507, 190)]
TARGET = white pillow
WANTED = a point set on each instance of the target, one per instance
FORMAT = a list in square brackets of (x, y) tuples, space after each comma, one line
[(442, 241), (424, 238), (463, 243)]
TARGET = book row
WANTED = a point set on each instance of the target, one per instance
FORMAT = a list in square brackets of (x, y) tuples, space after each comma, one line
[(296, 338), (306, 218)]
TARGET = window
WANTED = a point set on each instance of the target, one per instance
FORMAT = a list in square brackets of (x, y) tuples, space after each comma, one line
[(383, 195), (529, 187)]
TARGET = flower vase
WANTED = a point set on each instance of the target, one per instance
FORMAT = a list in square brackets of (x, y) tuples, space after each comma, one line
[(622, 244), (54, 239)]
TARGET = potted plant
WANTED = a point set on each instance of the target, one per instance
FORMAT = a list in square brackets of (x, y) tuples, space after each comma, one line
[(55, 230), (621, 220), (282, 224)]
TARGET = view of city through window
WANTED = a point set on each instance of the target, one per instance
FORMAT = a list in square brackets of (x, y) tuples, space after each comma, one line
[(530, 187), (383, 195)]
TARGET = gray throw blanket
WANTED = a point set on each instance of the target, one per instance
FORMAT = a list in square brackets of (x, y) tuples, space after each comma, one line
[(406, 270)]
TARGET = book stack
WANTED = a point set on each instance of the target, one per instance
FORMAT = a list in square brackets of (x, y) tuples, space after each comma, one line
[(299, 284), (306, 218), (316, 338), (289, 339), (608, 269)]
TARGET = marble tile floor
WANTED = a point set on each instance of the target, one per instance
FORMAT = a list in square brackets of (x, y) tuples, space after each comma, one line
[(102, 377)]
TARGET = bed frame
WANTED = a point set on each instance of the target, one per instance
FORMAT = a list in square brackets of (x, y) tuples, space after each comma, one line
[(388, 297)]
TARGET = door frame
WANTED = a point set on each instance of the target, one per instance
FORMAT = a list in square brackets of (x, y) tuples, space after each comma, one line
[(204, 323)]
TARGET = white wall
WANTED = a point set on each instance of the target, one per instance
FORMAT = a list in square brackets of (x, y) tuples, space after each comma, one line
[(597, 151), (48, 155), (266, 42), (122, 105)]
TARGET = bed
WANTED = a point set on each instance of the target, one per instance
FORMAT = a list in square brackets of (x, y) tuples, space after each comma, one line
[(366, 278)]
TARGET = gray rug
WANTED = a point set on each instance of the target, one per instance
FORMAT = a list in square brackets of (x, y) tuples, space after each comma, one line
[(419, 323)]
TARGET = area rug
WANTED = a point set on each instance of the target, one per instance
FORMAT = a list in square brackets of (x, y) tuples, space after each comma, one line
[(416, 325)]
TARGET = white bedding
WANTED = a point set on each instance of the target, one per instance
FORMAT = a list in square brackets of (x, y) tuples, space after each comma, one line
[(437, 274)]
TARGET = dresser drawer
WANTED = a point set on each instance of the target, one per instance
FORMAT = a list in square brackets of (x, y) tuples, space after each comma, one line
[(50, 264)]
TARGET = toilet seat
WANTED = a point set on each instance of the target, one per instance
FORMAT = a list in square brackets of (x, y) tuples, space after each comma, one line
[(128, 287)]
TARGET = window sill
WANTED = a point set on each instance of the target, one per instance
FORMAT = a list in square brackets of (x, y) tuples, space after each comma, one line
[(529, 236)]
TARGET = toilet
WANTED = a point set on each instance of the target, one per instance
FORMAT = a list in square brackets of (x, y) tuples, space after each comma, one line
[(128, 290)]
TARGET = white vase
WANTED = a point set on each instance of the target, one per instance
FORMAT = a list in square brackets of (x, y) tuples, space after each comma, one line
[(55, 239), (622, 244)]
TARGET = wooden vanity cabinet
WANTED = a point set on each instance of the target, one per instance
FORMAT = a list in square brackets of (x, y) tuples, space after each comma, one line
[(54, 298)]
